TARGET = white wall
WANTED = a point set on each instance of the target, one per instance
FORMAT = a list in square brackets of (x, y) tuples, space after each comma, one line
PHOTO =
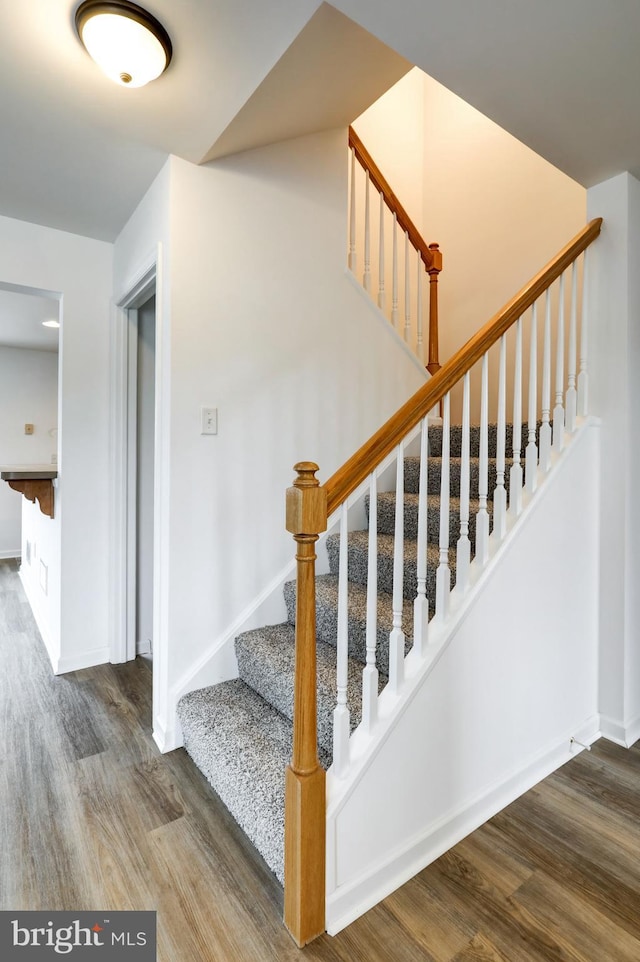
[(497, 708), (267, 326), (79, 270), (393, 130), (28, 395), (145, 241), (137, 243), (615, 397)]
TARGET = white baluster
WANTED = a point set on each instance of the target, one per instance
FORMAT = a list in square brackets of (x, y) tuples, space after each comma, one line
[(341, 711), (366, 278), (583, 376), (558, 411), (463, 547), (482, 518), (531, 453), (571, 401), (500, 493), (370, 671), (382, 297), (407, 289), (352, 215), (419, 331), (396, 638), (443, 574), (515, 475), (421, 603), (545, 427), (394, 276)]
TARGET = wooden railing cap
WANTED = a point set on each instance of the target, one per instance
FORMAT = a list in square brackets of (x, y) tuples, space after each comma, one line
[(306, 471)]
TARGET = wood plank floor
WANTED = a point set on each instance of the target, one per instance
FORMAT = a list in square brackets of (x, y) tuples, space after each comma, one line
[(93, 817)]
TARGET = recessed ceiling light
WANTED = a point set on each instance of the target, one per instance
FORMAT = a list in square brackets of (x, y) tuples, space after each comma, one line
[(126, 41), (50, 324)]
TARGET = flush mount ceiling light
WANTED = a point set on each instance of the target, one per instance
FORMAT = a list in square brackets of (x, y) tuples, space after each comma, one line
[(126, 42), (51, 324)]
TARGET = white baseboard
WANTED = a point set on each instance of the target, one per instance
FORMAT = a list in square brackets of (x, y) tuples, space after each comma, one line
[(349, 902), (83, 659), (168, 739), (633, 731), (619, 733), (10, 553), (218, 663)]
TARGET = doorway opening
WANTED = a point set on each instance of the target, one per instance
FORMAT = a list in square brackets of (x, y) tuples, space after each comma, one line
[(30, 322), (140, 497), (134, 457), (138, 508)]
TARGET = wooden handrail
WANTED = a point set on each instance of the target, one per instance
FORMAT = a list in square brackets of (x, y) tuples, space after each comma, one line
[(351, 475), (379, 181), (430, 254)]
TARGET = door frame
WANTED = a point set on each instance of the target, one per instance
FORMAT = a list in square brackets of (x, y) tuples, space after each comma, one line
[(147, 279)]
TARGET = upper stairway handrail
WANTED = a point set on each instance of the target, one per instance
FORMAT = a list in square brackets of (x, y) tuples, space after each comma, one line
[(351, 475), (364, 158)]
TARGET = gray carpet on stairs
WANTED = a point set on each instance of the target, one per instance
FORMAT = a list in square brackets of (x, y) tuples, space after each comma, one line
[(239, 732), (242, 745), (266, 660), (327, 618)]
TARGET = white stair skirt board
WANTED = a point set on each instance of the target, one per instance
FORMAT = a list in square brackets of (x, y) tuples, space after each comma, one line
[(349, 903), (618, 732), (504, 693)]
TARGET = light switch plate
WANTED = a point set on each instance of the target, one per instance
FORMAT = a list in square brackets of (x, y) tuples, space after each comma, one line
[(208, 420)]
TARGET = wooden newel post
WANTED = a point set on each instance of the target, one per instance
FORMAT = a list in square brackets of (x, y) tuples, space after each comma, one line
[(305, 805), (433, 271)]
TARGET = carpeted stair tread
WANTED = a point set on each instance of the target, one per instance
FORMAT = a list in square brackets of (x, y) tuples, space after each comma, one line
[(434, 468), (266, 660), (358, 552), (327, 618), (387, 516), (242, 745)]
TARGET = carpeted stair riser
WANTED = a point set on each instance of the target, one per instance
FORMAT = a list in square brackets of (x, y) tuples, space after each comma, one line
[(358, 563), (242, 745), (387, 516), (266, 662), (455, 442), (327, 618)]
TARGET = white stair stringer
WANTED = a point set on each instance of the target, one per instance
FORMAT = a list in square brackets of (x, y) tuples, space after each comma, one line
[(508, 679)]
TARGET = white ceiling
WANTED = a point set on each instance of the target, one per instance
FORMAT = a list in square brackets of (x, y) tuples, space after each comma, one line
[(563, 76), (21, 317), (77, 152)]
